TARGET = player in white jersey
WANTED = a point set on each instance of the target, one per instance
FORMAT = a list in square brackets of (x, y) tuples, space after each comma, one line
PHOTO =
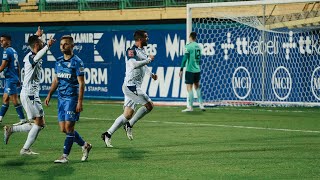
[(136, 68), (30, 93)]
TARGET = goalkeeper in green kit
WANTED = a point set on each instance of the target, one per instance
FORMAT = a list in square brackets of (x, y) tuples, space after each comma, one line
[(191, 60)]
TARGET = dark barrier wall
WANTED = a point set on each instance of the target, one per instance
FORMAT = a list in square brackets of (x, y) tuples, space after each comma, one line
[(102, 48)]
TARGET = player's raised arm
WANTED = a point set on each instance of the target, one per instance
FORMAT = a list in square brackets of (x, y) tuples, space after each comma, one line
[(39, 31), (42, 52)]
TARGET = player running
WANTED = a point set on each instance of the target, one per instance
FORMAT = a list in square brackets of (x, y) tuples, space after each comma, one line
[(135, 70)]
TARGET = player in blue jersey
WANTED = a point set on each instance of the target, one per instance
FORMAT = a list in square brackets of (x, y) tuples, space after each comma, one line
[(69, 81), (11, 69)]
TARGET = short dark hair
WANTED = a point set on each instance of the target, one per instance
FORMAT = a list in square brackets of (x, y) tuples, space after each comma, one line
[(8, 37), (193, 35), (32, 40), (139, 34), (68, 37)]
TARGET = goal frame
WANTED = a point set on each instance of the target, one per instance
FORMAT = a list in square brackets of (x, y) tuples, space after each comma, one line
[(263, 3)]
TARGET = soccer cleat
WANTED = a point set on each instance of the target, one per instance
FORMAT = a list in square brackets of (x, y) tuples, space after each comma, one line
[(106, 137), (7, 133), (27, 152), (86, 151), (128, 128), (201, 106), (20, 122), (62, 160), (189, 109)]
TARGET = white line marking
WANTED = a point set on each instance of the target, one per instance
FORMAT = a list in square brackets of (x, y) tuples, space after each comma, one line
[(240, 127), (201, 124)]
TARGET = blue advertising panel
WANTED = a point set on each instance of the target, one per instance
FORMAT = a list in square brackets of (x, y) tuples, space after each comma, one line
[(236, 65), (102, 49)]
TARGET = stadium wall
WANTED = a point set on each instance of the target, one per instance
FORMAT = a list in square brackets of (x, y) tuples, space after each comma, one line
[(102, 46)]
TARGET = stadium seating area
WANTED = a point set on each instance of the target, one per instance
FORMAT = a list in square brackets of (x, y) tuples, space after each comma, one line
[(65, 5)]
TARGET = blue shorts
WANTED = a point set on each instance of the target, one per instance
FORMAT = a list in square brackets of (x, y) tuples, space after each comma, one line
[(67, 110), (10, 87)]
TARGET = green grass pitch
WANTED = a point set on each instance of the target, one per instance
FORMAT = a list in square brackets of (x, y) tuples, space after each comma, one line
[(221, 143)]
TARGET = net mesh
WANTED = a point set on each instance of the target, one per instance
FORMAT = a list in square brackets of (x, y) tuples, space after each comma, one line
[(245, 62)]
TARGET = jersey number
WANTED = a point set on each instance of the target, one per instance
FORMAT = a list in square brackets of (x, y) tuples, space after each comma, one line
[(16, 62), (197, 54)]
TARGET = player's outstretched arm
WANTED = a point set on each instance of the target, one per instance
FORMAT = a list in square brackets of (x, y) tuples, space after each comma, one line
[(137, 64), (53, 88), (81, 93)]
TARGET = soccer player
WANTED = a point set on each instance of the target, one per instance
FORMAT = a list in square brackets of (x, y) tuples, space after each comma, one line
[(69, 81), (135, 71), (191, 59), (11, 68), (30, 94)]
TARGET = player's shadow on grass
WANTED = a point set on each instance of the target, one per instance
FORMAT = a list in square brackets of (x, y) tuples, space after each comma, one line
[(14, 163), (18, 162), (193, 113), (57, 171), (132, 154)]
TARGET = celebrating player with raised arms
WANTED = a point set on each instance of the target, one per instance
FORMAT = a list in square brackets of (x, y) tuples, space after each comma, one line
[(135, 70), (30, 93)]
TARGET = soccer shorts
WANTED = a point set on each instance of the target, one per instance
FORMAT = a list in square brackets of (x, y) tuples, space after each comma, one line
[(32, 105), (191, 77), (134, 96), (10, 87), (67, 110)]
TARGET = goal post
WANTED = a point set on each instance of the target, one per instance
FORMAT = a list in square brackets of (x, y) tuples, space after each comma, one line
[(258, 52)]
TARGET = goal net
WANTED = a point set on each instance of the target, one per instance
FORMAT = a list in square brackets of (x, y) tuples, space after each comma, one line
[(258, 52)]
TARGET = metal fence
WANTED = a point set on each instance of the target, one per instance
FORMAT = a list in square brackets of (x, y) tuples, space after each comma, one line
[(92, 5)]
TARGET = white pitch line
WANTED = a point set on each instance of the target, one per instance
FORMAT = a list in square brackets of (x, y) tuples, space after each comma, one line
[(240, 127), (201, 124)]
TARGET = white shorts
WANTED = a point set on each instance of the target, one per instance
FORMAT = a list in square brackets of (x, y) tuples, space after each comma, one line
[(32, 105), (134, 96)]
